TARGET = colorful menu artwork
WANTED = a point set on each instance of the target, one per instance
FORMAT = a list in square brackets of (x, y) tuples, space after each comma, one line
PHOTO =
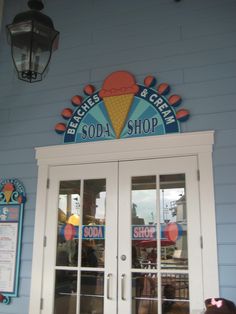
[(12, 199), (122, 109)]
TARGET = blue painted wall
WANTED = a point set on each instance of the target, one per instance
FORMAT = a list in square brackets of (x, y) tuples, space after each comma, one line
[(191, 45)]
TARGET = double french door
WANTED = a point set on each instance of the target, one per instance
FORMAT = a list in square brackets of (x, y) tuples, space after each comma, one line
[(123, 237)]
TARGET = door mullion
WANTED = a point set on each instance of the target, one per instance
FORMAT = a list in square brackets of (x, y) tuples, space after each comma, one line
[(158, 236), (80, 248)]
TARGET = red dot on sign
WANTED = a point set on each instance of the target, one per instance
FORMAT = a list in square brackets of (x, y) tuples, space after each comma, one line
[(89, 90), (69, 232), (60, 128), (67, 113), (76, 100), (171, 232), (149, 81)]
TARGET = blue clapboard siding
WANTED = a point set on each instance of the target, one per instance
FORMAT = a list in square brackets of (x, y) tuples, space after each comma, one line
[(190, 44)]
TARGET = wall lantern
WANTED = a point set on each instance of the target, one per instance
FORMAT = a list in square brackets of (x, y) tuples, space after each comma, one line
[(33, 39)]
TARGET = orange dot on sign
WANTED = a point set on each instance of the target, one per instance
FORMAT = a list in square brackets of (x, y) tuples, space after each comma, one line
[(89, 90), (149, 81), (76, 100), (175, 100), (163, 88), (60, 128), (67, 113), (171, 232), (182, 115)]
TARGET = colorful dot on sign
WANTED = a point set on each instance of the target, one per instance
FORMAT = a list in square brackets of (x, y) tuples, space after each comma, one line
[(174, 100), (60, 128), (69, 232), (76, 100), (67, 113), (150, 81), (89, 90), (171, 232), (182, 115), (163, 88)]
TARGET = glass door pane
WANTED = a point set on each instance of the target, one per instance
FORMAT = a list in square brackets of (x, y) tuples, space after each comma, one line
[(174, 244), (144, 244), (80, 247), (93, 247), (68, 222)]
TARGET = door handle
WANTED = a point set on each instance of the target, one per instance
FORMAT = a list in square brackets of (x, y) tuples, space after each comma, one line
[(109, 277), (123, 276)]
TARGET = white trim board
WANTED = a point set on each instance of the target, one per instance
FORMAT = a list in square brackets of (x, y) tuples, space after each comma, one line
[(127, 149)]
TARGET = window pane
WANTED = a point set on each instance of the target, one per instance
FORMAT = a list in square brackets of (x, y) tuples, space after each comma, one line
[(65, 292), (173, 216), (144, 245), (91, 292), (93, 229), (68, 223), (175, 293), (144, 293)]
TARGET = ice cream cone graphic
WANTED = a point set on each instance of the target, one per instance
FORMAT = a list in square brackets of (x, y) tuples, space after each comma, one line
[(117, 92), (7, 190)]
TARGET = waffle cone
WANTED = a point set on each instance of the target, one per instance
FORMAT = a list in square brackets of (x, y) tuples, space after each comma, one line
[(118, 108), (8, 195)]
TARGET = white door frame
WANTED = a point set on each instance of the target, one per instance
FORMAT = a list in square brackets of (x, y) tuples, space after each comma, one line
[(199, 144)]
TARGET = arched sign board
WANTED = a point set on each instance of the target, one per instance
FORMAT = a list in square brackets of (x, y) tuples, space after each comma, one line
[(122, 109), (12, 200)]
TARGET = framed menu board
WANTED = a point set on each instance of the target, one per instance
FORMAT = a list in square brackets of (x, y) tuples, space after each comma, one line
[(12, 200)]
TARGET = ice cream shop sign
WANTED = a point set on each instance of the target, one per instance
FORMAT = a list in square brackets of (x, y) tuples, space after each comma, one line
[(122, 109)]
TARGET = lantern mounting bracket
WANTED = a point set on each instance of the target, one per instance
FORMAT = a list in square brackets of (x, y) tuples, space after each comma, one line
[(35, 5)]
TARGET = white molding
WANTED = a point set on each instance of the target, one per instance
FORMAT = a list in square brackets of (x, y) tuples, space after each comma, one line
[(208, 224), (127, 149), (199, 144), (38, 243)]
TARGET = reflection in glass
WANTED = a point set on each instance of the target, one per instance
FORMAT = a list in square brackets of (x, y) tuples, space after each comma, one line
[(91, 292), (173, 219), (65, 292), (175, 293), (94, 213), (68, 223), (144, 245), (144, 293)]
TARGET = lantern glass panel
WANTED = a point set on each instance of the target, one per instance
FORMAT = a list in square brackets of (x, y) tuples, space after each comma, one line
[(19, 34)]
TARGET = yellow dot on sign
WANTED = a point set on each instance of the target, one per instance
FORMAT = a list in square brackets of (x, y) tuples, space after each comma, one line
[(74, 220)]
